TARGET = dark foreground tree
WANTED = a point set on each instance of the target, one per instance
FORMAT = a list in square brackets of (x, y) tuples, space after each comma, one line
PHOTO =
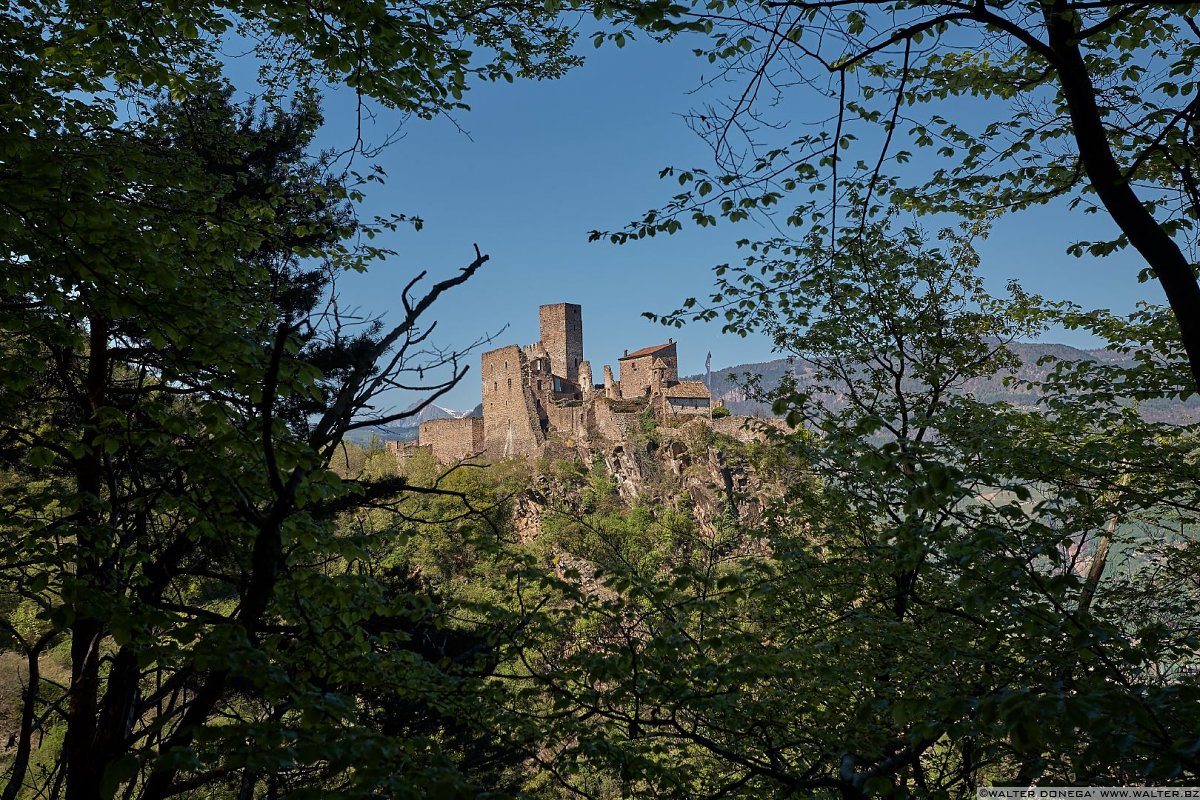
[(175, 384), (174, 381), (1010, 104)]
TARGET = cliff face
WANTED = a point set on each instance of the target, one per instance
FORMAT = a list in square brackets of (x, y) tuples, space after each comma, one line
[(691, 469)]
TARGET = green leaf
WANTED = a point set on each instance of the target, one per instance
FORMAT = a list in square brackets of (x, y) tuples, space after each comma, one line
[(118, 773)]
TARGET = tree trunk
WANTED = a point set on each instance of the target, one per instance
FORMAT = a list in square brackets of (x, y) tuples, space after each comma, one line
[(1159, 250), (16, 778), (82, 767)]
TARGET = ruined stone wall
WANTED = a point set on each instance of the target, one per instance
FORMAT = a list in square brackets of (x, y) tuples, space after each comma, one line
[(540, 380), (562, 337), (586, 387), (534, 351), (614, 425), (570, 419), (401, 449), (452, 440), (510, 415), (746, 429)]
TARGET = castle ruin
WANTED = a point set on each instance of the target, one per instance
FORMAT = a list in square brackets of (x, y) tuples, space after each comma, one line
[(534, 392)]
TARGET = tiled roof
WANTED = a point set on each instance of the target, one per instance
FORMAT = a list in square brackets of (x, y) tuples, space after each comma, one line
[(688, 389), (646, 351)]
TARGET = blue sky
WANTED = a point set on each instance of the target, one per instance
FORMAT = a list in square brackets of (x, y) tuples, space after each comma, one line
[(533, 166)]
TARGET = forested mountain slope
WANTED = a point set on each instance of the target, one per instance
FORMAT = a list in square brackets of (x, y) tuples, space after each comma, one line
[(1037, 361)]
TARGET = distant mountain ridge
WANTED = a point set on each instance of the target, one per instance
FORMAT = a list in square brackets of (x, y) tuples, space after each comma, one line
[(406, 429), (727, 382), (434, 411)]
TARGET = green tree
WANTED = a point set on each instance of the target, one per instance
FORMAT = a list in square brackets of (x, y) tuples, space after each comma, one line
[(941, 604), (1012, 104), (174, 391)]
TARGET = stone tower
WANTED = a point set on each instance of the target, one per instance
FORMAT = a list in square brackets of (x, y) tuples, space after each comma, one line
[(562, 336)]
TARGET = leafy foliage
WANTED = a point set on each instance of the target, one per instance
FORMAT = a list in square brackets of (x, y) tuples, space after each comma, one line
[(174, 387), (955, 596), (1009, 104), (173, 396)]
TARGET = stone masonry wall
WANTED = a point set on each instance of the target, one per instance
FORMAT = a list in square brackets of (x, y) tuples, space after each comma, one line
[(747, 429), (637, 374), (614, 425), (401, 449), (510, 418), (452, 440), (569, 419), (586, 387)]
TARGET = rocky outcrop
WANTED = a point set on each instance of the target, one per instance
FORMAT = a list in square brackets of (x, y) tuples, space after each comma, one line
[(672, 467)]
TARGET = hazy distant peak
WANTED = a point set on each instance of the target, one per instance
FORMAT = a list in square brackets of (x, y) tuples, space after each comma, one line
[(431, 411)]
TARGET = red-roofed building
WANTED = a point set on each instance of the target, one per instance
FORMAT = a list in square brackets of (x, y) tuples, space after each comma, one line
[(647, 371)]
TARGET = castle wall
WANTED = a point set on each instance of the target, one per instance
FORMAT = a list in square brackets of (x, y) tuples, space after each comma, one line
[(534, 351), (401, 449), (452, 440), (562, 337), (636, 377), (569, 419), (511, 426), (747, 429), (586, 387), (541, 380), (615, 425), (672, 363)]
